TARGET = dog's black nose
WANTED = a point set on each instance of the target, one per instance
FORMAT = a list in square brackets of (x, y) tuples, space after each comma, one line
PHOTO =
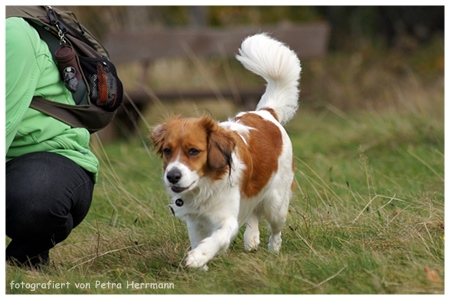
[(174, 175)]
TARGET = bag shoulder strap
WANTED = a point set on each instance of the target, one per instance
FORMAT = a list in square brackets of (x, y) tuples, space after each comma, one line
[(92, 117), (28, 12)]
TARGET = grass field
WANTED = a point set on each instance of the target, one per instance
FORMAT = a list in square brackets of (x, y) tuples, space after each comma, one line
[(367, 216)]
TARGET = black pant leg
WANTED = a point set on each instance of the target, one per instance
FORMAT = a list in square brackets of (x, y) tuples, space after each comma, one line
[(47, 195)]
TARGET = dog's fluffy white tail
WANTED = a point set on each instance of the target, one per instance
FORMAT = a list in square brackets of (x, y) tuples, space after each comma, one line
[(280, 67)]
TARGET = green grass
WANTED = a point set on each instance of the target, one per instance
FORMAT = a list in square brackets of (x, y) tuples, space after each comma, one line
[(367, 216)]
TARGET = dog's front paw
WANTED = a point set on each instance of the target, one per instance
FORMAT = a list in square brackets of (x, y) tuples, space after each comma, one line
[(197, 259)]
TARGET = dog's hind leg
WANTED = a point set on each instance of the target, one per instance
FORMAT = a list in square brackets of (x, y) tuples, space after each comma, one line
[(251, 234), (275, 238), (275, 212)]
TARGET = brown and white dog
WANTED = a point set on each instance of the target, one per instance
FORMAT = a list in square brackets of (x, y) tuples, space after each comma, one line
[(222, 175)]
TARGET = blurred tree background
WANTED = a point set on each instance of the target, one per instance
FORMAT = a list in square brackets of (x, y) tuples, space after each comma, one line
[(352, 26), (373, 51)]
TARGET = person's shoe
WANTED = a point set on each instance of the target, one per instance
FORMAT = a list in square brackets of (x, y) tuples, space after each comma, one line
[(35, 262)]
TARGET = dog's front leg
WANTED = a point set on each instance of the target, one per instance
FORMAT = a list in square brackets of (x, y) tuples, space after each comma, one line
[(219, 240), (197, 231)]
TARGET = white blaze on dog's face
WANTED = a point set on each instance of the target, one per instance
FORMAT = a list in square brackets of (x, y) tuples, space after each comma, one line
[(191, 149)]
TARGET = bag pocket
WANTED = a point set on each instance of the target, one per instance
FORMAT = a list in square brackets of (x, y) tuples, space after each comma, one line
[(106, 89)]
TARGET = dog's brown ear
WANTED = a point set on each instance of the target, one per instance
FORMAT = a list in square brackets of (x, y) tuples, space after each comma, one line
[(157, 137), (221, 145), (220, 148)]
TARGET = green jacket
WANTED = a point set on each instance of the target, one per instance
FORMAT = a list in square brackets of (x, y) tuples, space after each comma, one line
[(31, 71)]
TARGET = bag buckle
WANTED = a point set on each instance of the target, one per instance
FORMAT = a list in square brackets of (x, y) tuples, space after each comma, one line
[(53, 18)]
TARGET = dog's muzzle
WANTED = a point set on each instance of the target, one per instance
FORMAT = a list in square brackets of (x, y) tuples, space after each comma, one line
[(174, 177)]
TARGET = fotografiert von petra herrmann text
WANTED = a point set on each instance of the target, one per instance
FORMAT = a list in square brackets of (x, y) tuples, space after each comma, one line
[(53, 285)]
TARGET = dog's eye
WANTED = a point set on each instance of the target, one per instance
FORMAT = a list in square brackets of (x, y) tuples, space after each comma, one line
[(167, 151), (193, 152)]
